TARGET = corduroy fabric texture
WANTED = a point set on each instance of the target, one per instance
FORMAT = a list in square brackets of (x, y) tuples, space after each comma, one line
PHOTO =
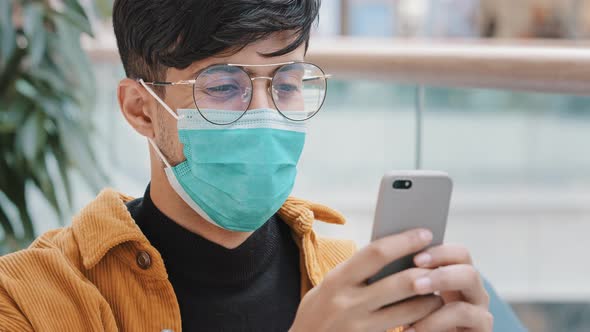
[(86, 277)]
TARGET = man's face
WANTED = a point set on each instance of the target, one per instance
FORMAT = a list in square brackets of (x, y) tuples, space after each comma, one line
[(181, 96)]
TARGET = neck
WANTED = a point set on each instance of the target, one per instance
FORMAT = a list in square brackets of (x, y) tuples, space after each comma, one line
[(170, 204)]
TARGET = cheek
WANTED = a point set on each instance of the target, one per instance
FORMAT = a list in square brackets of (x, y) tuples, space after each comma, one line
[(168, 138), (186, 103), (178, 154), (180, 97)]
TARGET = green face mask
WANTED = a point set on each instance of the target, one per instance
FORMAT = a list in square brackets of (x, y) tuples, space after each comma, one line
[(236, 176)]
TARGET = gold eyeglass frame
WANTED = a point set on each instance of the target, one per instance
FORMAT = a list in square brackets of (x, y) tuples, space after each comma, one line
[(252, 79)]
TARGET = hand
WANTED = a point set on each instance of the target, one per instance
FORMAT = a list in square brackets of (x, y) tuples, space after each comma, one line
[(344, 302), (461, 288)]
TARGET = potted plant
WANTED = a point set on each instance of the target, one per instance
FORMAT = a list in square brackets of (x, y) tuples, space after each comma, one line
[(46, 96)]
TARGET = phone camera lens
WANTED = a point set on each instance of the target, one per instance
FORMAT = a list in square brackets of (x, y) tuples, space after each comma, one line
[(402, 184)]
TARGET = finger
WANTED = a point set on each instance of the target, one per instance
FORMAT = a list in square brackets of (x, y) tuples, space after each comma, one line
[(371, 259), (456, 315), (462, 278), (404, 313), (452, 296), (392, 289), (447, 254)]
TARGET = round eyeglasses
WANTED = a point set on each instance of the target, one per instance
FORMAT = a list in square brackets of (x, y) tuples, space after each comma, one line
[(297, 89)]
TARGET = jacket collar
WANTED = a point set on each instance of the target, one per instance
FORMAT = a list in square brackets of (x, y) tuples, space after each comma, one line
[(106, 223)]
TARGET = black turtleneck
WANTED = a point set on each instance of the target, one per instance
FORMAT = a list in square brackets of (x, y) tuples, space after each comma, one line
[(254, 287)]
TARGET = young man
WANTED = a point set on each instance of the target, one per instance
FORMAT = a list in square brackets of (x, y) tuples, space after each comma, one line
[(221, 92)]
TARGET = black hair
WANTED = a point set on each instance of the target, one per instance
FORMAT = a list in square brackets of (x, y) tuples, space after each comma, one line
[(153, 35)]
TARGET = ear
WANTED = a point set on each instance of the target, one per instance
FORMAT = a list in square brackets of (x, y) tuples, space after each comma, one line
[(135, 104)]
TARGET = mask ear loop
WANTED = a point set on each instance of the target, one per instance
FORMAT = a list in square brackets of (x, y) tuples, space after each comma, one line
[(151, 92), (167, 108), (160, 154)]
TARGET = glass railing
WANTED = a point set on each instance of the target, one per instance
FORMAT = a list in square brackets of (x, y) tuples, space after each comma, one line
[(521, 171)]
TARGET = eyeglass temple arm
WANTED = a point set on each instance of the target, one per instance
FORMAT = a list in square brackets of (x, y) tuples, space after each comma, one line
[(309, 78), (161, 83)]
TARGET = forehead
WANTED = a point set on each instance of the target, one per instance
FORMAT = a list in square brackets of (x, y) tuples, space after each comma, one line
[(250, 55)]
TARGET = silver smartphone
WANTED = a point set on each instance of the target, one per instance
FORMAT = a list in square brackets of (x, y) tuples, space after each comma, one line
[(409, 200)]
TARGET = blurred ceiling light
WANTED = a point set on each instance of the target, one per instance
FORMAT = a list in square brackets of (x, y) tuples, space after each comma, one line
[(411, 15)]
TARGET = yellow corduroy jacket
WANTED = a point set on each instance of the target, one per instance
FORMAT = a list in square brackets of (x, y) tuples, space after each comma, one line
[(102, 274)]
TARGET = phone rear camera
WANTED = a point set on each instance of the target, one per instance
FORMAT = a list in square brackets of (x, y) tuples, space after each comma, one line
[(402, 184)]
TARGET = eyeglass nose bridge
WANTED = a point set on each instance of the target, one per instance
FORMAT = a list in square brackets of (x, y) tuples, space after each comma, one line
[(261, 78), (267, 78)]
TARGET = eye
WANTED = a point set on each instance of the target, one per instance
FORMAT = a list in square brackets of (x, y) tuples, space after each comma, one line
[(223, 89), (288, 88)]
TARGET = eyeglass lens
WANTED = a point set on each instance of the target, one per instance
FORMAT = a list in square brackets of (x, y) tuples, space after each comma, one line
[(298, 91)]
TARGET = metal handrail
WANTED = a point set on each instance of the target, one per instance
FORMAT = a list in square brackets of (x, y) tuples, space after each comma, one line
[(541, 66)]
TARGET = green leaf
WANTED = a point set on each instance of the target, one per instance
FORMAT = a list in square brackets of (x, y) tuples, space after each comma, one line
[(9, 122), (75, 6), (26, 219), (70, 58), (10, 72), (31, 137), (8, 35), (43, 181), (77, 147), (104, 8), (74, 19), (4, 168), (63, 165), (26, 89), (5, 222), (49, 76), (13, 116), (9, 240), (35, 31), (14, 189)]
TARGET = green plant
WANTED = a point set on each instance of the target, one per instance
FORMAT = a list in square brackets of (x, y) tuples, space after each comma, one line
[(104, 8), (46, 97)]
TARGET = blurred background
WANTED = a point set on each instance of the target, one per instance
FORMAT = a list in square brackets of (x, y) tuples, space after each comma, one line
[(520, 160)]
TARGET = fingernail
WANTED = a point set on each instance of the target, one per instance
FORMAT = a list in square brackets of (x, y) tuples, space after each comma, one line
[(423, 259), (423, 285), (426, 235), (410, 330)]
